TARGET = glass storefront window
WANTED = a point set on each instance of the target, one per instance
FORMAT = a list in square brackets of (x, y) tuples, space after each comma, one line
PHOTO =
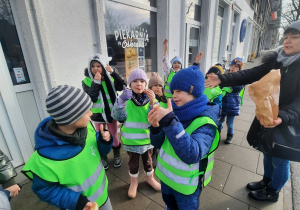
[(193, 9), (11, 46), (193, 44), (151, 3), (131, 37)]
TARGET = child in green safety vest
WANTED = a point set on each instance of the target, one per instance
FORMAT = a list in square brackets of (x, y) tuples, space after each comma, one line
[(132, 108), (231, 102), (176, 65), (101, 83), (66, 168), (214, 94), (187, 135)]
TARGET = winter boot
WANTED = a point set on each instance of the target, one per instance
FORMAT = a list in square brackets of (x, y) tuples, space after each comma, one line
[(134, 182), (259, 185), (152, 182), (154, 157), (117, 156), (266, 194), (229, 138), (105, 162)]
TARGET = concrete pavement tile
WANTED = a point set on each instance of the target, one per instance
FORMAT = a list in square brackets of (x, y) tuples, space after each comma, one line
[(238, 136), (245, 116), (247, 109), (148, 191), (242, 125), (252, 208), (245, 143), (236, 187), (119, 198), (238, 156), (51, 208), (288, 196), (27, 200), (260, 165), (155, 206), (219, 175), (212, 199), (110, 177)]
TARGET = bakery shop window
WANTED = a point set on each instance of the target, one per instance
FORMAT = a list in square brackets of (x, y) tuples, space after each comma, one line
[(131, 36)]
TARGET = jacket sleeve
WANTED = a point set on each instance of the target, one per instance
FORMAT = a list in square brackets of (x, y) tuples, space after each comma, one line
[(55, 194), (190, 148), (165, 65), (248, 76), (119, 80), (92, 91), (237, 89), (104, 147), (7, 171), (119, 113)]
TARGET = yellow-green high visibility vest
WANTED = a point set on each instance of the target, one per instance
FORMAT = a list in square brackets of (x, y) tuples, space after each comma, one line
[(242, 95), (226, 90), (168, 93), (182, 177), (135, 130), (83, 173), (163, 105), (213, 93), (98, 106)]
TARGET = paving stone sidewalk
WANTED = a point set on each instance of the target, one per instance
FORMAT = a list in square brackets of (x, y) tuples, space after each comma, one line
[(235, 165)]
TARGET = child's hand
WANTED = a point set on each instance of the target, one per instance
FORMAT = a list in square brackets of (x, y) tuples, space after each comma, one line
[(151, 96), (88, 206), (14, 190), (126, 94), (109, 69), (97, 76), (199, 57), (162, 112), (152, 118), (165, 44), (105, 134)]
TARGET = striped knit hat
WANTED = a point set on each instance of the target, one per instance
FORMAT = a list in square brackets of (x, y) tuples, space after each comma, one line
[(67, 104)]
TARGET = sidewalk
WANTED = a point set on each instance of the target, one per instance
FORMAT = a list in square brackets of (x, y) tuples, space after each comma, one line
[(235, 165)]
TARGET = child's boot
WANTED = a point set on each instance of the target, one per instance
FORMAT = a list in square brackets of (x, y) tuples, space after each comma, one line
[(105, 162), (229, 138), (117, 156), (152, 182), (134, 181), (266, 194)]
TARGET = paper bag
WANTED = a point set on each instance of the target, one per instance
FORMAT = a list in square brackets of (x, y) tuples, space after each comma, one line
[(265, 95)]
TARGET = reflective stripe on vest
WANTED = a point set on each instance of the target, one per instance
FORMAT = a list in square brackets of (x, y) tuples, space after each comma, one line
[(91, 181), (168, 93), (226, 90), (213, 93), (135, 130), (182, 177), (98, 106)]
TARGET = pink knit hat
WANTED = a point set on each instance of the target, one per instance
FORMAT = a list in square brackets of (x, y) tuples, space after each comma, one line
[(137, 74)]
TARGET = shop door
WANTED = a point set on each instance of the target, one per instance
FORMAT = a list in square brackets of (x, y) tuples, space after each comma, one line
[(192, 43)]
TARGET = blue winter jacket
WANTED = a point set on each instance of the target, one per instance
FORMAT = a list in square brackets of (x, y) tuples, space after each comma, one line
[(231, 102), (47, 144), (189, 148)]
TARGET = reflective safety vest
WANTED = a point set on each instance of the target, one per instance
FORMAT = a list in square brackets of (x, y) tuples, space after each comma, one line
[(82, 173), (135, 130), (182, 177), (226, 90), (213, 93), (163, 105), (98, 106), (242, 95), (168, 93)]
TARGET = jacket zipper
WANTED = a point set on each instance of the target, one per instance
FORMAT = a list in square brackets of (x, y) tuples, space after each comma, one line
[(287, 68), (274, 143)]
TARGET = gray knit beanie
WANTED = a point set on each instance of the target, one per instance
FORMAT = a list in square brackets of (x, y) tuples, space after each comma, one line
[(67, 104)]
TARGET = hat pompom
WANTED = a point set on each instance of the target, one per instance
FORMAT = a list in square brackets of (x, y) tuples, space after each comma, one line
[(190, 80)]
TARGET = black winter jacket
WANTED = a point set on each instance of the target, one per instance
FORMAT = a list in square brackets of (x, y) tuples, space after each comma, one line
[(7, 171), (289, 99)]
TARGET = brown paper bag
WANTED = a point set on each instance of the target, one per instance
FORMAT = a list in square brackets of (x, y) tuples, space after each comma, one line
[(265, 94)]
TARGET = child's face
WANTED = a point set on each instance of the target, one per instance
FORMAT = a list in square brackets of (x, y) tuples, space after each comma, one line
[(157, 89), (96, 67), (234, 68), (138, 86), (84, 120), (176, 66), (180, 97)]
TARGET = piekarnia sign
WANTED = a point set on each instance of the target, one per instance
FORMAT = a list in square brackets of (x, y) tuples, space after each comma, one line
[(132, 38)]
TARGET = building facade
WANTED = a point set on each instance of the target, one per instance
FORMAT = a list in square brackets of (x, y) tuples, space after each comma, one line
[(47, 43)]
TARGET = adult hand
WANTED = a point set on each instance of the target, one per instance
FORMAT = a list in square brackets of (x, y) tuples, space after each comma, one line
[(199, 57), (276, 122), (126, 94), (165, 44), (212, 81), (109, 69), (105, 134), (88, 206), (152, 118), (14, 190), (150, 95), (161, 112), (97, 76)]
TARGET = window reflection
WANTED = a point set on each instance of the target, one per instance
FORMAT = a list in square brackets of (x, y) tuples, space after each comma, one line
[(11, 46), (131, 37)]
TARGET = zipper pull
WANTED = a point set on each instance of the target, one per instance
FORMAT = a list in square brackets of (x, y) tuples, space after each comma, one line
[(287, 68)]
